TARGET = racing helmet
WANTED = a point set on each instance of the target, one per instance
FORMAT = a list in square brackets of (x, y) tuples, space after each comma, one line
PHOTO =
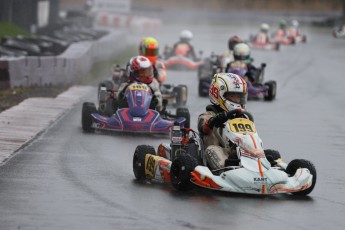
[(186, 36), (228, 91), (234, 40), (242, 52), (282, 24), (149, 48), (264, 28), (295, 23), (140, 69)]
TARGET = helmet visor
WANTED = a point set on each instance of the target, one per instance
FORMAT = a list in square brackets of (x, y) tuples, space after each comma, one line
[(235, 97), (144, 75), (151, 51)]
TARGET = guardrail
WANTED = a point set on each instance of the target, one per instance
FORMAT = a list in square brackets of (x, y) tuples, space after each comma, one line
[(66, 68)]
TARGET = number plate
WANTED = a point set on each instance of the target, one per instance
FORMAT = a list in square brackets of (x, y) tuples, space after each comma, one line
[(241, 125), (138, 87)]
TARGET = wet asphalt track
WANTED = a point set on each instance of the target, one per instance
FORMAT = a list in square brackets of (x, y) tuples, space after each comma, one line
[(67, 179)]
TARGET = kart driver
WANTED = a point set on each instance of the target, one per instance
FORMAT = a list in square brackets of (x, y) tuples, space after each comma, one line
[(183, 47), (281, 32), (229, 55), (140, 69), (149, 48), (262, 36), (294, 28), (227, 92), (242, 61)]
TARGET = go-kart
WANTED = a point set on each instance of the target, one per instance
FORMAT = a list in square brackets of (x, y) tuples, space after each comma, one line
[(175, 95), (339, 32), (256, 87), (206, 71), (284, 40), (180, 62), (253, 43), (254, 170), (135, 114)]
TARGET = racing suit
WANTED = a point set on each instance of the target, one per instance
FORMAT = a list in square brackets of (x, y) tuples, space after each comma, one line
[(262, 38), (184, 49), (156, 102), (217, 152), (250, 73)]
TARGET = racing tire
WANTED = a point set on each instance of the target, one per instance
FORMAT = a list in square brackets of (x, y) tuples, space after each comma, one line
[(271, 91), (107, 84), (180, 172), (203, 91), (181, 92), (301, 163), (184, 112), (139, 160), (272, 156), (86, 118)]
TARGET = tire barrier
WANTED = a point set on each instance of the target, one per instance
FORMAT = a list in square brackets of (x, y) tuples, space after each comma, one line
[(133, 23), (66, 68)]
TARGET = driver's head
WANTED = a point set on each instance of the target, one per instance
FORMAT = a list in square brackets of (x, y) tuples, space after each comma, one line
[(149, 48), (228, 91)]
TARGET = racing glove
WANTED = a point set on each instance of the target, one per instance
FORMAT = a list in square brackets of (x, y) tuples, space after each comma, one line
[(218, 120)]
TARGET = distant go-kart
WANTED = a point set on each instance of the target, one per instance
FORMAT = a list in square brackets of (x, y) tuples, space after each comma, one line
[(136, 116), (339, 32), (180, 62), (253, 43), (182, 163)]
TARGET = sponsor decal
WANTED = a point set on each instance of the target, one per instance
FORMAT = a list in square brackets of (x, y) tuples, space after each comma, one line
[(260, 180)]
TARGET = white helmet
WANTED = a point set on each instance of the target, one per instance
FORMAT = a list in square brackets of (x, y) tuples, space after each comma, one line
[(186, 35), (228, 91), (264, 27), (295, 23)]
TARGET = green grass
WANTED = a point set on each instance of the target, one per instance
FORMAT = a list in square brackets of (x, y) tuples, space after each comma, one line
[(11, 30)]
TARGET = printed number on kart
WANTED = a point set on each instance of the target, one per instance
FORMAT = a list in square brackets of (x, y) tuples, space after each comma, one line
[(240, 125), (150, 165), (138, 87)]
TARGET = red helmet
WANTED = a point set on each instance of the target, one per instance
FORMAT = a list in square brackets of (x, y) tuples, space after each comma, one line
[(140, 69), (234, 40)]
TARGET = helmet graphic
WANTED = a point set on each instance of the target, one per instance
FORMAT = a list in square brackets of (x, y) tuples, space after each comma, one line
[(228, 91), (242, 52), (234, 40), (149, 48), (140, 69)]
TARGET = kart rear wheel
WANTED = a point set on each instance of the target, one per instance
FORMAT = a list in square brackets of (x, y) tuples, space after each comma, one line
[(203, 87), (86, 118), (139, 160), (184, 112), (181, 92), (180, 172), (107, 84), (271, 91), (301, 163)]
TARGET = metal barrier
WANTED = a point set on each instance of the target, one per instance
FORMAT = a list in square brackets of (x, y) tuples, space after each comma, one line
[(66, 68)]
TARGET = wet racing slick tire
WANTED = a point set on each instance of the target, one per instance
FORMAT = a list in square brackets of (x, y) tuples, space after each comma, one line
[(139, 160), (203, 87), (272, 156), (184, 112), (86, 118), (180, 172), (107, 84), (301, 163), (181, 92), (271, 90)]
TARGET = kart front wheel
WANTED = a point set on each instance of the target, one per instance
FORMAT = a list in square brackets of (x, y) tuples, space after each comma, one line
[(184, 112), (86, 117), (139, 160), (180, 172), (301, 163), (271, 90), (181, 92)]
